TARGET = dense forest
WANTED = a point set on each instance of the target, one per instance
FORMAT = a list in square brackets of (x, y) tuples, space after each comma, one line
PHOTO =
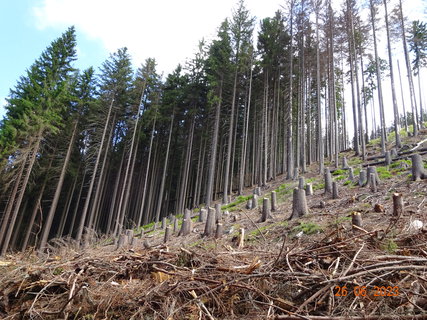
[(85, 152)]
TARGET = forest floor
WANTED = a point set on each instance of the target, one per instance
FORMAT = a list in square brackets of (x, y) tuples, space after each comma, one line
[(314, 267)]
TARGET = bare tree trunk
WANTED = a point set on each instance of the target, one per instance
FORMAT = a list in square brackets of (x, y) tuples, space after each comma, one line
[(379, 82), (31, 162), (92, 182), (212, 164), (49, 219), (162, 185), (393, 90)]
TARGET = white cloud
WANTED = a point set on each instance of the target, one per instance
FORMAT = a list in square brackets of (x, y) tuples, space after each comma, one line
[(167, 30)]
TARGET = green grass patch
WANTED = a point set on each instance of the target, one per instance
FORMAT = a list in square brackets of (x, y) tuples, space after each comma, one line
[(239, 200), (346, 183), (339, 178), (384, 173), (338, 172), (307, 228), (319, 186), (354, 161)]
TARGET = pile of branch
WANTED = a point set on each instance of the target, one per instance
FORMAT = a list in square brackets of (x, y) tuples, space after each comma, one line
[(342, 276)]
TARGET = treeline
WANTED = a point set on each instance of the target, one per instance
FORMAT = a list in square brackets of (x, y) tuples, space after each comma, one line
[(82, 151)]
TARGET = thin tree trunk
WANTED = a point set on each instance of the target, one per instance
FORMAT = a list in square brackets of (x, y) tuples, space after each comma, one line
[(162, 185), (58, 189), (93, 178), (393, 90)]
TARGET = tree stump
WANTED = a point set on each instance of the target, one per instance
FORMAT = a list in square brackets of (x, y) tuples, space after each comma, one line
[(299, 204), (218, 212), (255, 201), (397, 204), (345, 163), (175, 225), (210, 223), (387, 158), (356, 220), (202, 215), (309, 189), (241, 243), (123, 241), (350, 174), (362, 178), (301, 183), (219, 230), (168, 233), (372, 182), (129, 234), (249, 204), (186, 224), (164, 220), (373, 170), (257, 191), (328, 181), (146, 244), (418, 171), (393, 153), (335, 194), (265, 210), (273, 201)]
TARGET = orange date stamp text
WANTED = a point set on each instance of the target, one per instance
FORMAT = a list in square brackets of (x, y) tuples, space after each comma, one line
[(363, 291)]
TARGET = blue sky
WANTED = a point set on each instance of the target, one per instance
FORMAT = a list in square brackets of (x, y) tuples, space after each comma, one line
[(22, 43), (167, 30)]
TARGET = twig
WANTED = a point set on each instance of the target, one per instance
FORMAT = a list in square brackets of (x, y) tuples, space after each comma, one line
[(352, 261)]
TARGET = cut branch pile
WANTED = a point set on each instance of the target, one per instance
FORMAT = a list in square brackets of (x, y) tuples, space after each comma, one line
[(343, 275)]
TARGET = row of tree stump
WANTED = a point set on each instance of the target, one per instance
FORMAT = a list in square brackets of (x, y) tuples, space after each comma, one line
[(213, 216)]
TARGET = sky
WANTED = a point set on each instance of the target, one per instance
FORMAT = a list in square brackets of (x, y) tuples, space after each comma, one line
[(167, 30)]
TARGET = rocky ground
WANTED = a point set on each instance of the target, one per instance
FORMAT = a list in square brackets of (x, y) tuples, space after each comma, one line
[(314, 267)]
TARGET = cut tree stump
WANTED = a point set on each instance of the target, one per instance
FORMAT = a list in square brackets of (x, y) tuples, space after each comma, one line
[(299, 204), (350, 174), (168, 233), (273, 201), (362, 178), (372, 183), (418, 171), (164, 220), (257, 191), (218, 212), (249, 204), (335, 194), (186, 224), (255, 201), (175, 224), (387, 158), (219, 230), (328, 181), (356, 220), (373, 170), (146, 244), (265, 210), (210, 223), (309, 189), (345, 163), (129, 235), (202, 215), (123, 241), (397, 204), (241, 242), (393, 153)]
